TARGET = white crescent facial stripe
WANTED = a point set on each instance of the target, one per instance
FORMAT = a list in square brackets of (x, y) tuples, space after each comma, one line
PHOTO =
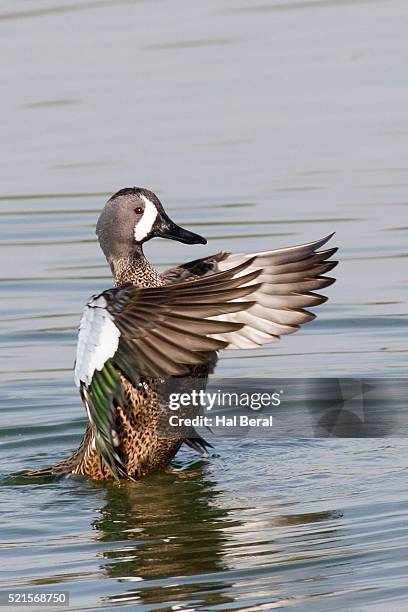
[(98, 340), (144, 226)]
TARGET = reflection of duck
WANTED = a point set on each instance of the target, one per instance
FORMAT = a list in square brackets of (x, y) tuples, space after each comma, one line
[(152, 326), (166, 526), (177, 538)]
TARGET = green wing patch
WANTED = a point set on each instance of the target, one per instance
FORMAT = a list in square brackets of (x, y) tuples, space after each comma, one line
[(101, 398)]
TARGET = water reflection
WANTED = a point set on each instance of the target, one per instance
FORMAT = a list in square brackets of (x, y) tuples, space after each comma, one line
[(171, 537), (167, 526)]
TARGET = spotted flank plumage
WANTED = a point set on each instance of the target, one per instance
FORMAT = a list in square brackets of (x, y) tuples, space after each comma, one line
[(151, 327)]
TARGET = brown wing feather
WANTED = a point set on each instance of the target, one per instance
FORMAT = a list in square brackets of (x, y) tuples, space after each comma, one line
[(289, 278), (164, 330)]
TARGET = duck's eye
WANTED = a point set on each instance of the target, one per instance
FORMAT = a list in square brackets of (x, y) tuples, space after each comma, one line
[(139, 210)]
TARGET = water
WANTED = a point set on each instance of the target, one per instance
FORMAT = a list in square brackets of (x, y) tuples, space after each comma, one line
[(259, 125)]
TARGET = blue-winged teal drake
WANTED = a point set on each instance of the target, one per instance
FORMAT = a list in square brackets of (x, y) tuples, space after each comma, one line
[(151, 326)]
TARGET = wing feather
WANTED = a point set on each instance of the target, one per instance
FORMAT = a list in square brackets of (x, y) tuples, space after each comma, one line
[(289, 278)]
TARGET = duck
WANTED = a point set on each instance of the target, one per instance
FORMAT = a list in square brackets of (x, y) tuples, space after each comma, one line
[(151, 327)]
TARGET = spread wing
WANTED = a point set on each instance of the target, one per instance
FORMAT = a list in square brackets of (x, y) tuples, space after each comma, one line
[(155, 332), (289, 277)]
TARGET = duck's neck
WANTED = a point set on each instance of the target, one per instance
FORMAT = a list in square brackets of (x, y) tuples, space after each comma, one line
[(135, 269)]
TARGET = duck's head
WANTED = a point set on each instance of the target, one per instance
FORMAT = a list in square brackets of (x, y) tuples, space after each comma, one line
[(131, 217)]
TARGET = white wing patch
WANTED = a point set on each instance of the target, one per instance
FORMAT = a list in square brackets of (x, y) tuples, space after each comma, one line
[(98, 340), (144, 226)]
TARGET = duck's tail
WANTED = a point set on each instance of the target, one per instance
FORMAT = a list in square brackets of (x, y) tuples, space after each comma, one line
[(53, 470), (199, 444)]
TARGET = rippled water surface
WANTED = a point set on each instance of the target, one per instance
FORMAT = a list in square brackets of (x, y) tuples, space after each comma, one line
[(259, 124)]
